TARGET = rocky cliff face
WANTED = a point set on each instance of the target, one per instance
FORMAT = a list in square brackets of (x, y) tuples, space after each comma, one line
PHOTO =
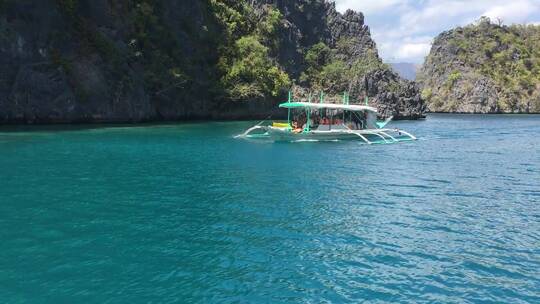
[(68, 61), (311, 22), (484, 68)]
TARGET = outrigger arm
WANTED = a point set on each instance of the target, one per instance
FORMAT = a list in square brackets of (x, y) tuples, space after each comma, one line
[(377, 133), (408, 134), (386, 134), (361, 136), (250, 130)]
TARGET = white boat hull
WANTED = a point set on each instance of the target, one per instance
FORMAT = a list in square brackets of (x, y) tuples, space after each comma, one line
[(370, 136)]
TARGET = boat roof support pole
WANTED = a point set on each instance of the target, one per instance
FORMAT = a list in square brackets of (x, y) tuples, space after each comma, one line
[(308, 110), (289, 118)]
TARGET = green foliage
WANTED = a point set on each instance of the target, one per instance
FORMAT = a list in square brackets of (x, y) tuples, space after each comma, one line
[(366, 64), (328, 70), (250, 73), (427, 94), (333, 76), (452, 79), (245, 62), (268, 28), (317, 58), (232, 16), (318, 55)]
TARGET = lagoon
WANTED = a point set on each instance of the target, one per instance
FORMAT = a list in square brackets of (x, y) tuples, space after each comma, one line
[(186, 213)]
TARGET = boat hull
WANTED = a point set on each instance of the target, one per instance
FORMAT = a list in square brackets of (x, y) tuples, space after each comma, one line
[(370, 136)]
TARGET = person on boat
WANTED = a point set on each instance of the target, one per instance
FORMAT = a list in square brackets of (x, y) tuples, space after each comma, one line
[(297, 126), (324, 121)]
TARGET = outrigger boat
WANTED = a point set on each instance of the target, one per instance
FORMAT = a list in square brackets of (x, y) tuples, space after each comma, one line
[(328, 121)]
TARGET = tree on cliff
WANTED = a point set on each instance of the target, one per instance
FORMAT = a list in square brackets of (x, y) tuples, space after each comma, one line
[(248, 70)]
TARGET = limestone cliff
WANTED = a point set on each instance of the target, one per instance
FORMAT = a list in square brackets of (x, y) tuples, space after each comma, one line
[(66, 61), (484, 68)]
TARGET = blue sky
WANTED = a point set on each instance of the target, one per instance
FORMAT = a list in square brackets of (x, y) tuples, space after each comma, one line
[(404, 29)]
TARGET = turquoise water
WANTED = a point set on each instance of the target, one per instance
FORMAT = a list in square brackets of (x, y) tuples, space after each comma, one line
[(186, 213)]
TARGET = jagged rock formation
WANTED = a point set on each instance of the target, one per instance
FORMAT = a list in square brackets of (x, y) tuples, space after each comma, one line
[(394, 96), (68, 61), (484, 68)]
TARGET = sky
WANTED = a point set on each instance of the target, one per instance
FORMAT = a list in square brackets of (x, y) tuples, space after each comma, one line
[(404, 29)]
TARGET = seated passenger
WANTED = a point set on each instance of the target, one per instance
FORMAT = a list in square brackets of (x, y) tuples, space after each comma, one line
[(296, 128)]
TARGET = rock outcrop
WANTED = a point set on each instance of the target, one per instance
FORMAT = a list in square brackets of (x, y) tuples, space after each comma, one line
[(394, 96), (483, 68), (65, 61)]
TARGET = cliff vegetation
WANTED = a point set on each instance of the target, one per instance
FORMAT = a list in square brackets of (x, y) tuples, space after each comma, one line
[(485, 67)]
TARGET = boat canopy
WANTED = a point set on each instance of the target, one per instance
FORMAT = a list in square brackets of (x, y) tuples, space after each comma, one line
[(312, 105)]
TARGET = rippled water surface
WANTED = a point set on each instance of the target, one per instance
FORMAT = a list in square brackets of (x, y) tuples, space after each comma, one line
[(186, 213)]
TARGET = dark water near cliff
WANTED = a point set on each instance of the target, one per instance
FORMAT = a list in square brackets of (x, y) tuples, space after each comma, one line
[(187, 213)]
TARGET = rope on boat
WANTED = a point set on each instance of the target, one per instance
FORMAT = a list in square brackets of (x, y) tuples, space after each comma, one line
[(260, 123)]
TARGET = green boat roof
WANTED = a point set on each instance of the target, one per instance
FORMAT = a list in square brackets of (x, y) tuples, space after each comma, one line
[(335, 106)]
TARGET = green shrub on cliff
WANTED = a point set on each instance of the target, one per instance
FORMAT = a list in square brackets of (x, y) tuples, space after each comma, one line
[(329, 69), (318, 55), (248, 71), (233, 16), (452, 79), (366, 64)]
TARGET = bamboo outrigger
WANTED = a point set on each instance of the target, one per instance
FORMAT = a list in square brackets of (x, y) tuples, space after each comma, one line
[(329, 121)]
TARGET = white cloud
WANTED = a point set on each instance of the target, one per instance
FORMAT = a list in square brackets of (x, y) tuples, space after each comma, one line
[(366, 6), (398, 48), (411, 51), (512, 12)]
